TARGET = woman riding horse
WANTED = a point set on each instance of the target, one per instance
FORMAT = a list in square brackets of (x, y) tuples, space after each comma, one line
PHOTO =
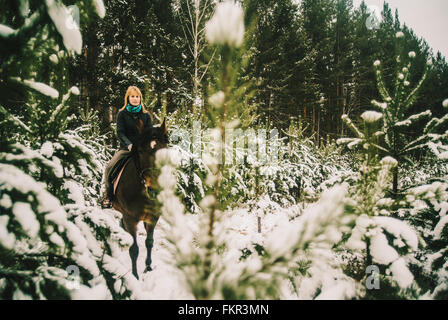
[(129, 118), (134, 198)]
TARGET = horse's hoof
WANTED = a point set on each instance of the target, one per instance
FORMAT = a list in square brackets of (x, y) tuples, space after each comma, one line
[(148, 269)]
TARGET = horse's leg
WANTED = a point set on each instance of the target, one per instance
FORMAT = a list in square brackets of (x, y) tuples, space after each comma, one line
[(130, 225), (149, 243)]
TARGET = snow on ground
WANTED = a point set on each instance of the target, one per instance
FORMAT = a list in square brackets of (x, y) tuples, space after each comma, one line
[(165, 282)]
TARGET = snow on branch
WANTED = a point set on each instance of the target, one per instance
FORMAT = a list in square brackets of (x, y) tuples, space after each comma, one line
[(350, 124), (435, 123), (99, 8), (420, 142), (31, 156), (60, 107), (6, 31), (350, 142), (413, 119), (381, 85), (380, 105), (419, 116), (29, 25), (70, 34), (413, 95), (440, 150), (37, 86), (14, 119)]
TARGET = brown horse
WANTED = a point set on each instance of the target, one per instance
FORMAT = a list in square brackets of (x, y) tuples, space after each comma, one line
[(135, 193)]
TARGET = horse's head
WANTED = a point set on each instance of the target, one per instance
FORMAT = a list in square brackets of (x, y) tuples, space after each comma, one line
[(150, 141)]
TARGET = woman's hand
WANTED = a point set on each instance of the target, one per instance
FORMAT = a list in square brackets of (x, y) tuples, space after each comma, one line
[(130, 147)]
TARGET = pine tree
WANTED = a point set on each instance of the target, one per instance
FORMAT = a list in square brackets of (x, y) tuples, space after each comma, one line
[(54, 244), (318, 20), (137, 43), (192, 16), (284, 73), (398, 99)]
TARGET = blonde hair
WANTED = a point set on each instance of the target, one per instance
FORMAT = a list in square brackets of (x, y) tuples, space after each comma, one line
[(131, 90)]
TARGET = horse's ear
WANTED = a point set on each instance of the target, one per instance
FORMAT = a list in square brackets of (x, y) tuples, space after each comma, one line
[(163, 126)]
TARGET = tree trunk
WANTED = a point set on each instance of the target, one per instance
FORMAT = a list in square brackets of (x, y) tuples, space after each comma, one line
[(395, 182)]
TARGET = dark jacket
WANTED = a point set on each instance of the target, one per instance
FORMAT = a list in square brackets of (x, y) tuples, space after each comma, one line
[(127, 126)]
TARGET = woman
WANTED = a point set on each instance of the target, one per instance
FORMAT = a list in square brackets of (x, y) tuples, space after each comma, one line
[(132, 115)]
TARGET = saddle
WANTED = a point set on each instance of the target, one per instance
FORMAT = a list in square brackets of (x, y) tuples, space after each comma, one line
[(116, 172)]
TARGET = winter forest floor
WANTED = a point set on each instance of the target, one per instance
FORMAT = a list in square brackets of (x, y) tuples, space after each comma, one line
[(165, 282), (334, 185)]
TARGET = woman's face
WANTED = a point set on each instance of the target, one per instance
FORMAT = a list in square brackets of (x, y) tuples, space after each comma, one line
[(134, 99)]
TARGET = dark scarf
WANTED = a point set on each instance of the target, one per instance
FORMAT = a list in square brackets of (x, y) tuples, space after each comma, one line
[(134, 109)]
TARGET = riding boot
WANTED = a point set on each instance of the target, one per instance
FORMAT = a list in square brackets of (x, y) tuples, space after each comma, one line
[(108, 195), (103, 200)]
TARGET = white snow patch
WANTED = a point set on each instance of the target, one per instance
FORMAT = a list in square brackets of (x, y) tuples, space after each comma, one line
[(226, 25), (445, 103), (381, 251), (99, 6), (26, 217), (6, 31), (6, 239), (47, 149), (5, 201), (75, 192), (74, 90), (38, 86), (399, 229), (57, 240), (401, 273), (371, 116), (63, 22), (54, 58), (439, 227)]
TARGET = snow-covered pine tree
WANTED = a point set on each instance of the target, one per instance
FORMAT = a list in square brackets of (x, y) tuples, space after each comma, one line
[(221, 271), (199, 244), (53, 244), (200, 262), (222, 113), (385, 243), (400, 245), (398, 98), (424, 205)]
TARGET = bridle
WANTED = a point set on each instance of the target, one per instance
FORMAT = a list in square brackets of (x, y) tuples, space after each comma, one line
[(140, 171)]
